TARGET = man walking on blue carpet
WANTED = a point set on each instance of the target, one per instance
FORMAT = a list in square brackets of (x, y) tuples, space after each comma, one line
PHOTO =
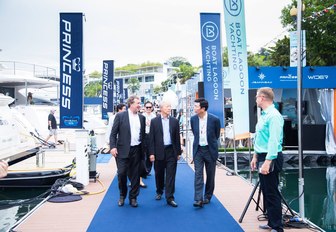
[(206, 130), (165, 150), (126, 142), (268, 155)]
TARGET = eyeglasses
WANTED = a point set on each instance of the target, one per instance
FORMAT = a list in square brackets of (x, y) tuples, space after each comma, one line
[(148, 107)]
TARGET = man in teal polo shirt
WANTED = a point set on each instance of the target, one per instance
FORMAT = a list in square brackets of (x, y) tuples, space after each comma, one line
[(268, 156)]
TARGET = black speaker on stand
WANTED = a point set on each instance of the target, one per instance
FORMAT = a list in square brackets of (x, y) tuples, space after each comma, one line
[(201, 89), (252, 109)]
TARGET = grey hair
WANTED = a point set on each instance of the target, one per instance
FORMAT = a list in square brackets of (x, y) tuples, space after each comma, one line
[(165, 102)]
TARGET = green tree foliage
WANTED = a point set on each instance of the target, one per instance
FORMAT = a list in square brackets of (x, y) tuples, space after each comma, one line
[(185, 72), (259, 59), (93, 89), (133, 85), (279, 54), (177, 61), (129, 68), (165, 85), (225, 57), (134, 67), (96, 74), (320, 30), (149, 64), (157, 90)]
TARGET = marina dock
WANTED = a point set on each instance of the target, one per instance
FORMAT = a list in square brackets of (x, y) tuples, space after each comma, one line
[(231, 190)]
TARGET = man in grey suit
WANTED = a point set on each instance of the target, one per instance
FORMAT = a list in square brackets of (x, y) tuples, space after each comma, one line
[(165, 150), (126, 142), (206, 130)]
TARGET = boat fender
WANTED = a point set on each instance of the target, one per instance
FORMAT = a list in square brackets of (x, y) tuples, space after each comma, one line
[(68, 188)]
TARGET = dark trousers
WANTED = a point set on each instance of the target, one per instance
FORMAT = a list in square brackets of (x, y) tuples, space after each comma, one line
[(165, 172), (269, 187), (129, 167), (203, 157), (149, 164)]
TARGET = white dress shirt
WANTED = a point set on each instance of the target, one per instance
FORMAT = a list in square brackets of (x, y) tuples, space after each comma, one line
[(134, 121), (203, 141), (166, 132)]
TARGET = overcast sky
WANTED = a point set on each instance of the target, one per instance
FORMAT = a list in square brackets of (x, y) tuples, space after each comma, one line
[(127, 31)]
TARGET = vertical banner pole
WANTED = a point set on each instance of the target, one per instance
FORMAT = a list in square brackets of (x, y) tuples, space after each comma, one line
[(299, 109), (234, 17), (107, 88), (71, 70), (212, 63)]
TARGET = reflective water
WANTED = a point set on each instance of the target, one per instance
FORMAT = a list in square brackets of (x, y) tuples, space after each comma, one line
[(319, 193), (12, 209)]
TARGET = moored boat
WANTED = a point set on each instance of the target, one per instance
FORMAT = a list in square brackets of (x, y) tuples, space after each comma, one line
[(39, 178)]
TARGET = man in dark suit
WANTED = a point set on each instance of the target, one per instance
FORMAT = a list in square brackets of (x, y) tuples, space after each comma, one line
[(206, 130), (126, 142), (165, 150)]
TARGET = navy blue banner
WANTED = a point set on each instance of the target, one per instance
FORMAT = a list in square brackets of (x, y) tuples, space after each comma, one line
[(107, 88), (125, 94), (286, 78), (71, 70), (118, 91), (212, 63)]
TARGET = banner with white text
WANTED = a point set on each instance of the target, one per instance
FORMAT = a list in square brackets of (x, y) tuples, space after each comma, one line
[(107, 88), (212, 63), (118, 90), (71, 70), (234, 17), (125, 94), (293, 44)]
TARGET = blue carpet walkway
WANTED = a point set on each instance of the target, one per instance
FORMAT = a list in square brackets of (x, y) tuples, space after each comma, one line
[(152, 215)]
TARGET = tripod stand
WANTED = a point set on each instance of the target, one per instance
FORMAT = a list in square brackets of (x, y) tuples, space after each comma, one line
[(257, 203), (187, 157)]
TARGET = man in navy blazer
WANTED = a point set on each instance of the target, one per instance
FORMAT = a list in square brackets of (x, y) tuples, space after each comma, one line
[(127, 146), (165, 150), (206, 130)]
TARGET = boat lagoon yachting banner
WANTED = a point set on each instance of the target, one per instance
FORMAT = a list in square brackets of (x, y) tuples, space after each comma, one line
[(212, 63), (71, 70), (107, 88), (234, 17)]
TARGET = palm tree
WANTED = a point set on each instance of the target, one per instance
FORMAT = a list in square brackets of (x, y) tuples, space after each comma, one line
[(133, 85)]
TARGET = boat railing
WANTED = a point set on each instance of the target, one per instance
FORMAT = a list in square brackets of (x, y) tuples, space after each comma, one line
[(21, 68)]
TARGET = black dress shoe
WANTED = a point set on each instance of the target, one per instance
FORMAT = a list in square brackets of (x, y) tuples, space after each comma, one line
[(198, 204), (206, 201), (158, 197), (121, 201), (172, 203), (134, 203), (143, 185)]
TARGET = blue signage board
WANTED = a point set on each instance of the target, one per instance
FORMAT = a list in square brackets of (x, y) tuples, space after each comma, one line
[(118, 91), (71, 70), (107, 88), (125, 94), (212, 63), (286, 78)]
